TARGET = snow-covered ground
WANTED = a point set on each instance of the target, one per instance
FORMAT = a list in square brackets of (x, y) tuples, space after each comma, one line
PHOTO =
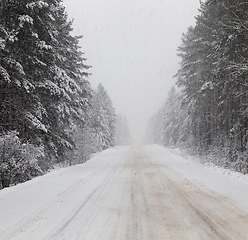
[(118, 194), (233, 184), (19, 202)]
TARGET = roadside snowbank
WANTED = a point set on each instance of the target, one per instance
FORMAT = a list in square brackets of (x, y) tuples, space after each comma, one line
[(224, 181), (21, 200)]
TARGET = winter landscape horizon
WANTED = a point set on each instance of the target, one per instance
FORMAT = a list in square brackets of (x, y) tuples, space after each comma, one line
[(123, 119), (132, 48)]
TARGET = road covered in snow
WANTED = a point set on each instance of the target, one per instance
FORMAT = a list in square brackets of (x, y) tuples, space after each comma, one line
[(138, 192)]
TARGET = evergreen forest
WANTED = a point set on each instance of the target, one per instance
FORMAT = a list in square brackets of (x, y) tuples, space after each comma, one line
[(206, 113), (49, 113)]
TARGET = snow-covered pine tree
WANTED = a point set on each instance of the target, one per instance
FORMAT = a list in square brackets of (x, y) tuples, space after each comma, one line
[(103, 119), (154, 129), (19, 162), (213, 75), (42, 74), (122, 131), (171, 125)]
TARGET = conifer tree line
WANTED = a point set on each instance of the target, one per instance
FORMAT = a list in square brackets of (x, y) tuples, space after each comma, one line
[(123, 134), (209, 115), (48, 111)]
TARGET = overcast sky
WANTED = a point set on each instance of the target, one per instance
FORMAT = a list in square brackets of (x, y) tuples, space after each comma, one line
[(132, 48)]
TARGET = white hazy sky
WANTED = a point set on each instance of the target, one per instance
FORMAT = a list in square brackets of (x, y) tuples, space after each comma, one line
[(132, 48)]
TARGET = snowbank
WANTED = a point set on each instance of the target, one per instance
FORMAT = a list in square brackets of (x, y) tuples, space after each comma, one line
[(230, 183), (21, 200)]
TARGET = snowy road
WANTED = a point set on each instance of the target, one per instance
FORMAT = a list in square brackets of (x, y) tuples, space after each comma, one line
[(122, 193)]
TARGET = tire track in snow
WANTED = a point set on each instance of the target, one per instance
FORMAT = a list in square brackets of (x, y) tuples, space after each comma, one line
[(136, 198), (133, 225), (140, 225), (178, 197), (28, 221), (78, 212)]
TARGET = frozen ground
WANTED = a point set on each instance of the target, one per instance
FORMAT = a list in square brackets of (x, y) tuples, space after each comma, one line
[(145, 192)]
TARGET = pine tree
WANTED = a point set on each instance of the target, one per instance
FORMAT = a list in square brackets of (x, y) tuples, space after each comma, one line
[(213, 71), (122, 132), (103, 119), (43, 87)]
